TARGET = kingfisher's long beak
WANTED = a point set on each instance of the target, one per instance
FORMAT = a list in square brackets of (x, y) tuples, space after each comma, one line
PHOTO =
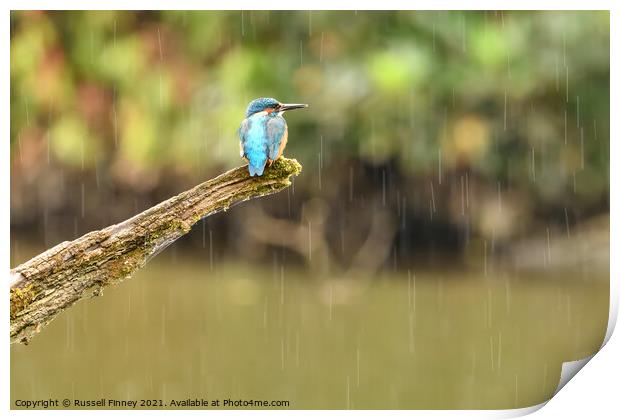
[(288, 107)]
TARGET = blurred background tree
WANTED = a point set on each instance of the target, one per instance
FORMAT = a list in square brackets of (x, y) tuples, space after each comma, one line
[(458, 126)]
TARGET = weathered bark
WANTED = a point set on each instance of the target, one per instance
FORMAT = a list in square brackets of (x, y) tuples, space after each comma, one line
[(54, 280)]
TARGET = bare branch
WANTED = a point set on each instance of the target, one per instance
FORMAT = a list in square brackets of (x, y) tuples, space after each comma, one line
[(54, 280)]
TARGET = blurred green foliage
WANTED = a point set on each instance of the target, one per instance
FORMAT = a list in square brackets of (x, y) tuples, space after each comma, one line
[(520, 98), (494, 120)]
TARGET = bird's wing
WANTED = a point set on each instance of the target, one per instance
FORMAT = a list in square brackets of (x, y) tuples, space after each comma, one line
[(243, 131), (276, 127)]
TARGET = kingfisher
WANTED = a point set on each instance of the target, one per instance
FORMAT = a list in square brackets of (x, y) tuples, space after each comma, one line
[(264, 133)]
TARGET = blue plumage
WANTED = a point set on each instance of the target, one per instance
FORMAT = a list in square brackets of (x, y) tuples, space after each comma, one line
[(258, 105), (264, 133), (255, 141)]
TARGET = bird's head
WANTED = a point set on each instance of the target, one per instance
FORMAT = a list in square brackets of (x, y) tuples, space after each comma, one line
[(270, 105)]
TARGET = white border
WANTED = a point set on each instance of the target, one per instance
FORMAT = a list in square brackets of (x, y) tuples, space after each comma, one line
[(596, 390)]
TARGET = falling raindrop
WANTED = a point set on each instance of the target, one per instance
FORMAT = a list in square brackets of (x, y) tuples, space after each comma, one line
[(414, 292), (282, 353), (505, 108), (47, 145), (309, 240), (204, 232), (163, 325), (348, 392), (508, 294), (161, 60), (467, 190), (409, 289), (404, 214), (319, 171), (92, 46), (474, 358), (565, 127), (210, 250), (509, 64), (97, 175), (548, 245), (492, 361), (578, 111), (350, 183), (499, 351), (288, 200), (462, 195), (564, 47), (115, 119), (357, 365), (566, 84), (464, 33), (439, 165), (82, 201), (595, 135), (516, 389), (533, 166), (281, 285), (490, 307), (485, 259), (297, 348), (433, 208), (582, 150), (411, 335), (265, 318), (82, 153), (383, 182), (544, 381), (27, 109), (499, 196), (557, 74)]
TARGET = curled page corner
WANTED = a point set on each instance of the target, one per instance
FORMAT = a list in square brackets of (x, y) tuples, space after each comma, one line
[(520, 412), (613, 310), (570, 369)]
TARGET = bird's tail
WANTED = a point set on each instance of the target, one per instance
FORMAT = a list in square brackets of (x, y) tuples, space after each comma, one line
[(256, 169)]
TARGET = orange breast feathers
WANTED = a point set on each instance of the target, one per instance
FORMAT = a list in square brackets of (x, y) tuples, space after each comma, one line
[(283, 143)]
